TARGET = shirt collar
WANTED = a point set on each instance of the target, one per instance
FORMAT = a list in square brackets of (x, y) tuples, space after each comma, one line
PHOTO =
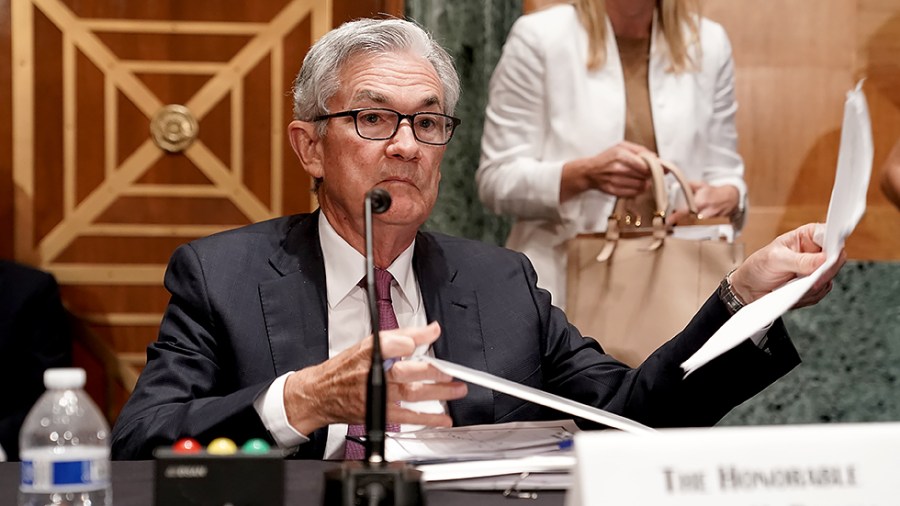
[(345, 267)]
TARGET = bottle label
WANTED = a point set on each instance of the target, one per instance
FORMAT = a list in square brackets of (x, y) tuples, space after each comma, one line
[(46, 475)]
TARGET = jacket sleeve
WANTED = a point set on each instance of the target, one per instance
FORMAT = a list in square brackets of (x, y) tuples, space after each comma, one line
[(189, 385), (724, 164), (512, 178)]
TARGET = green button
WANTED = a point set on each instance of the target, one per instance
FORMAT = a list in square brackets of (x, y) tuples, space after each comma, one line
[(256, 446)]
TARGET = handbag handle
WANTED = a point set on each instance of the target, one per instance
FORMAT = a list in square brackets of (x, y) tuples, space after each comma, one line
[(661, 198), (673, 169)]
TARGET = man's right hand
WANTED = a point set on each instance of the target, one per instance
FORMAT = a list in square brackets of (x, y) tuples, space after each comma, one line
[(335, 390)]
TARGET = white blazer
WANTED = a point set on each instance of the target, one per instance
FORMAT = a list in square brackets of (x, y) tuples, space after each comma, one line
[(546, 109)]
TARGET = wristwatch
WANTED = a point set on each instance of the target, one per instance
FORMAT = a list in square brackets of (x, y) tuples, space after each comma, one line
[(727, 295)]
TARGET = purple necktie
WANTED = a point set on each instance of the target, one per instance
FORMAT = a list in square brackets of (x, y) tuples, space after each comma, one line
[(388, 321)]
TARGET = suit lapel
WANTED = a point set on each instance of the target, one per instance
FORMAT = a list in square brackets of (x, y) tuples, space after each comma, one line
[(455, 307), (294, 307), (294, 304)]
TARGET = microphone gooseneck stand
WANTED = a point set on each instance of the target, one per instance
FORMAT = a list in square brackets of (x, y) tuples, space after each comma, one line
[(374, 481)]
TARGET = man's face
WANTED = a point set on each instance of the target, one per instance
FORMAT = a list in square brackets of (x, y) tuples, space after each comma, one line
[(351, 165)]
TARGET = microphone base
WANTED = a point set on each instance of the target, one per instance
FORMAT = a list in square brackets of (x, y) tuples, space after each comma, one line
[(355, 483)]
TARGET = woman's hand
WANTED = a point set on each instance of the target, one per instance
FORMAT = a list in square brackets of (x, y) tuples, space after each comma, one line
[(618, 171), (711, 201)]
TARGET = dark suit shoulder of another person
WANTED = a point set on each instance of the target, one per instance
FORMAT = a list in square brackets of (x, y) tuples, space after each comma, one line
[(34, 336)]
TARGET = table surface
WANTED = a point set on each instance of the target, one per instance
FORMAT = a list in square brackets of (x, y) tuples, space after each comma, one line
[(133, 486)]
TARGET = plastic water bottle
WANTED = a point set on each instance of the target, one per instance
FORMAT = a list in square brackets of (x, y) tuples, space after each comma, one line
[(64, 446)]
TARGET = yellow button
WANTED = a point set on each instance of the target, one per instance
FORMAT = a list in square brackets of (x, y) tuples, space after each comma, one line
[(221, 446)]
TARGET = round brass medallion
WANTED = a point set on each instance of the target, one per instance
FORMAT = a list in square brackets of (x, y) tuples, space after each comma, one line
[(174, 128)]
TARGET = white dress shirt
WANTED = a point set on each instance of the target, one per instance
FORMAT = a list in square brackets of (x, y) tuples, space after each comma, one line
[(348, 324)]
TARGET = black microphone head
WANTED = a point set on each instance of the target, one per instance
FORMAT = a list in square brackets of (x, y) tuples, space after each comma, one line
[(381, 200)]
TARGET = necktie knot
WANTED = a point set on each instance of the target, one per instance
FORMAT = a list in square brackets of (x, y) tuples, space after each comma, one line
[(383, 281), (383, 301)]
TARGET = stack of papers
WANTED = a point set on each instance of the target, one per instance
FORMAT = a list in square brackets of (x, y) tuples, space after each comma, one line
[(480, 442), (526, 455), (538, 472)]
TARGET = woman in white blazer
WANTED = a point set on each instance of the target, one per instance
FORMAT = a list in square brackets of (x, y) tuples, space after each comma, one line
[(553, 153)]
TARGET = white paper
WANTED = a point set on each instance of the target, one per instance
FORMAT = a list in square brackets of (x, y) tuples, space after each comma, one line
[(848, 203), (704, 232), (494, 441), (540, 472), (498, 467), (513, 482), (537, 396)]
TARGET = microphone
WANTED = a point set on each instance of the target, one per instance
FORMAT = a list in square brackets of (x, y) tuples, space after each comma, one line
[(377, 201), (380, 201), (374, 479)]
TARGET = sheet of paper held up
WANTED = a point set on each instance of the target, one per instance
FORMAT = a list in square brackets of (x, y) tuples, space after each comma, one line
[(848, 203), (537, 396)]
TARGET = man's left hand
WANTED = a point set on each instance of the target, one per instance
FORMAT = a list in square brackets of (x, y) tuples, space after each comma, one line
[(791, 255)]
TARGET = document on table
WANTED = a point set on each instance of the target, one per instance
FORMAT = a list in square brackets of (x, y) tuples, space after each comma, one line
[(537, 472), (529, 455), (846, 208), (480, 442), (536, 396)]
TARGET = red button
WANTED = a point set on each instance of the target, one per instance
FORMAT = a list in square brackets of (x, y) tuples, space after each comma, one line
[(187, 445)]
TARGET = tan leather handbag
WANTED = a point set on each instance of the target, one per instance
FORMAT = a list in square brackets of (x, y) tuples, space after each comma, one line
[(633, 288)]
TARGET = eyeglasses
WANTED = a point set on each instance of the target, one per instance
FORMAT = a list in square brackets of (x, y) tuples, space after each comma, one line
[(376, 124)]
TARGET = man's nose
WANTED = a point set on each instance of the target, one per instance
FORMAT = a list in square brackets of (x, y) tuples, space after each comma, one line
[(404, 143)]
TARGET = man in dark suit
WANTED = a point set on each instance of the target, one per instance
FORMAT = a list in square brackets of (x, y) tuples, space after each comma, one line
[(34, 336), (266, 331)]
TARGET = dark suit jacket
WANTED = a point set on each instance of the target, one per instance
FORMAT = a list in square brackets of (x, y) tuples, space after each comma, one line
[(34, 336), (249, 305)]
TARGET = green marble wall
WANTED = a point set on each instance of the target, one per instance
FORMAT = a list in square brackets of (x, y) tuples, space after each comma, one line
[(850, 345), (850, 342), (473, 31)]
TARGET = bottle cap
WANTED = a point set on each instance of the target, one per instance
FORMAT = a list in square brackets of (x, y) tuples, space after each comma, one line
[(65, 377)]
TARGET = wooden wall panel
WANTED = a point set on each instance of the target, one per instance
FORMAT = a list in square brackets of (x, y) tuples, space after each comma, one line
[(90, 196), (795, 60), (6, 186), (795, 63)]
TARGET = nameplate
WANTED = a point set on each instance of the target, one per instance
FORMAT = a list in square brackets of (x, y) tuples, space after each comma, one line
[(203, 479), (799, 465)]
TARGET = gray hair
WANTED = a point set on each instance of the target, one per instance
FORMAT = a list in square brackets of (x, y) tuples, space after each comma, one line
[(318, 79)]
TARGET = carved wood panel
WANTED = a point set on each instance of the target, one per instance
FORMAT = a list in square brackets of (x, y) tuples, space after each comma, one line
[(137, 126)]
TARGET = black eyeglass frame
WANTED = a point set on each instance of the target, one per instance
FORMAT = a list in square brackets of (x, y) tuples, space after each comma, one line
[(354, 113)]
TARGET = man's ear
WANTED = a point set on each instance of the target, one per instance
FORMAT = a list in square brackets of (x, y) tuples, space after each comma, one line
[(308, 146)]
